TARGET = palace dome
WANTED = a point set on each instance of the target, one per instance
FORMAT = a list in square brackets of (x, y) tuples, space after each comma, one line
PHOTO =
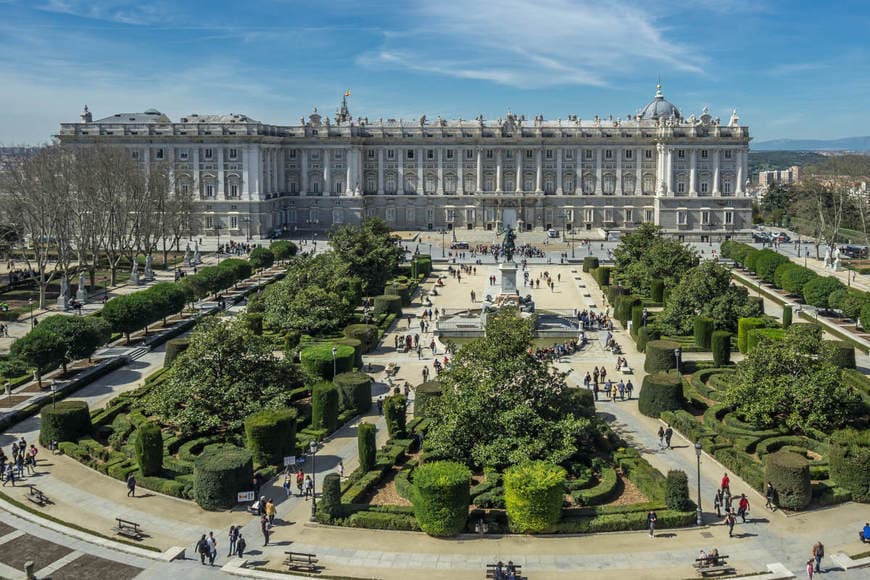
[(659, 107)]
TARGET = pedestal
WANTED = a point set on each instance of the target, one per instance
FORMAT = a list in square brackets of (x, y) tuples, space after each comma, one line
[(508, 278)]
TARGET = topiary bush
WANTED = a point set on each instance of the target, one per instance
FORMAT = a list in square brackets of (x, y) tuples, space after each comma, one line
[(657, 290), (636, 319), (818, 289), (365, 437), (174, 347), (590, 263), (602, 275), (849, 462), (781, 271), (441, 495), (317, 359), (64, 421), (744, 325), (355, 391), (703, 331), (720, 344), (148, 446), (677, 491), (367, 334), (423, 396), (766, 264), (786, 315), (644, 335), (842, 354), (330, 500), (324, 407), (219, 474), (394, 414), (533, 495), (356, 345), (790, 475), (261, 258), (794, 280), (660, 356), (759, 335), (388, 305), (661, 391), (270, 435)]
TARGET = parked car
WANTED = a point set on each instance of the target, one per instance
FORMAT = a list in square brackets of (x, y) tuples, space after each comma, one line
[(782, 238), (854, 252), (551, 233), (761, 237)]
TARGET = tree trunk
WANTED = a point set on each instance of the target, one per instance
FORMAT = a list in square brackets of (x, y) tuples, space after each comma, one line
[(113, 270)]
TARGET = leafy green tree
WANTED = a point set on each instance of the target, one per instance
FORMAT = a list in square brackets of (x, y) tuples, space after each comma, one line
[(794, 280), (168, 298), (43, 350), (501, 406), (129, 313), (665, 259), (370, 252), (261, 258), (634, 245), (283, 249), (226, 374), (818, 289), (81, 335)]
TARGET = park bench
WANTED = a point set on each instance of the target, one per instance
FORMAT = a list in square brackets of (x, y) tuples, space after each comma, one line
[(705, 567), (300, 561), (37, 496), (626, 370), (490, 571), (128, 529)]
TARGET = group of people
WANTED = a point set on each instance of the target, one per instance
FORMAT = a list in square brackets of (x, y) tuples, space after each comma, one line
[(724, 498), (21, 458), (590, 320), (549, 282), (505, 572), (556, 350), (19, 274), (706, 559), (234, 248)]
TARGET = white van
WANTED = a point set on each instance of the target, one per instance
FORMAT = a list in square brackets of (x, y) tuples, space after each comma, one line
[(551, 233)]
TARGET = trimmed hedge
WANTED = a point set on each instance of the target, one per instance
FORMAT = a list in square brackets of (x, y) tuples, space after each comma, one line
[(850, 467), (356, 345), (602, 492), (794, 280), (677, 491), (766, 263), (148, 446), (64, 421), (317, 359), (174, 347), (602, 275), (843, 354), (636, 319), (660, 356), (786, 315), (533, 494), (283, 249), (703, 331), (720, 344), (365, 437), (219, 474), (657, 290), (590, 263), (423, 396), (271, 435), (388, 305), (355, 391), (324, 407), (330, 500), (790, 475), (757, 335), (818, 289), (367, 334), (662, 391), (744, 325), (261, 258), (441, 495), (395, 416), (644, 335)]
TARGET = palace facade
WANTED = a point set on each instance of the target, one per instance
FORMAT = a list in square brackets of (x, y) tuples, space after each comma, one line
[(686, 174)]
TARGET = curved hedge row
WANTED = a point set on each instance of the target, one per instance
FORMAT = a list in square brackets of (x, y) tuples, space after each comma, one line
[(533, 494), (441, 496), (600, 493)]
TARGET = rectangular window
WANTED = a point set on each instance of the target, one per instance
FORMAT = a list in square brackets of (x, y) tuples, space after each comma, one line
[(371, 154), (469, 153), (705, 217), (569, 154), (589, 154), (234, 222), (185, 188), (608, 153), (682, 217), (727, 154), (158, 154), (681, 153), (703, 153), (339, 154), (450, 154), (704, 187), (529, 153), (726, 187), (292, 154), (430, 154), (681, 187), (234, 153), (134, 155), (183, 155), (589, 215), (509, 154), (489, 153), (648, 215), (647, 154), (234, 190), (209, 190), (548, 153), (629, 154), (629, 217), (729, 217), (410, 154), (608, 214), (391, 154), (209, 154), (209, 222)]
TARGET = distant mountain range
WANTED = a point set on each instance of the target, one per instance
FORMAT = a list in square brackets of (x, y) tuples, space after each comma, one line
[(847, 144)]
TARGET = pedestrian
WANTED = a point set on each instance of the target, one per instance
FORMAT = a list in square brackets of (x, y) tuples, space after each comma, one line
[(10, 475), (232, 538), (771, 492), (629, 388), (19, 465), (651, 523), (131, 486), (381, 405), (309, 487), (286, 485), (668, 434), (810, 569), (743, 507), (661, 437), (202, 549), (212, 548), (264, 527), (818, 554), (730, 520), (340, 470), (241, 544), (270, 511), (300, 481), (717, 503), (726, 482)]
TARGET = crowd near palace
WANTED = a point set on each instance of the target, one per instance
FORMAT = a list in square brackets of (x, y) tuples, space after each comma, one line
[(685, 173)]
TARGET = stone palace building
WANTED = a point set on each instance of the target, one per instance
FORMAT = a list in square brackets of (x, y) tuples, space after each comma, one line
[(686, 174)]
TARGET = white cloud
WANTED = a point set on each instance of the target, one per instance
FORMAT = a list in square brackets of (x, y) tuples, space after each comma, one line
[(135, 12), (532, 43)]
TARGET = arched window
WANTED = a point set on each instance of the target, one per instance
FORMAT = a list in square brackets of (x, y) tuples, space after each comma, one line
[(628, 185), (609, 184), (649, 184), (588, 184), (431, 181), (390, 184)]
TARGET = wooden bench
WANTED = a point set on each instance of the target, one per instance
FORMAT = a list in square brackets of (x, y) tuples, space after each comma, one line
[(490, 571), (128, 529), (37, 497), (705, 568), (301, 561)]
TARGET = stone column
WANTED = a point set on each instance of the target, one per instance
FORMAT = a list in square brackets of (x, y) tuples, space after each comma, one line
[(539, 168), (400, 186), (638, 168), (559, 190), (693, 181), (460, 171), (327, 173), (599, 173), (304, 164), (348, 161), (519, 156), (578, 178), (221, 194), (380, 171), (479, 170), (439, 160), (498, 170), (660, 169), (669, 170), (716, 153), (740, 175), (618, 189), (421, 181), (194, 154), (282, 171)]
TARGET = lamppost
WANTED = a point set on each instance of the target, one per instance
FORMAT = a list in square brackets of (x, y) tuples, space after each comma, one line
[(334, 369), (313, 448), (678, 357), (53, 392), (247, 219), (443, 234), (30, 303), (217, 231), (698, 454)]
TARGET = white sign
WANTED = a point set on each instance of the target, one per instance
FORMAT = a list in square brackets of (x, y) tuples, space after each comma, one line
[(289, 460), (246, 496)]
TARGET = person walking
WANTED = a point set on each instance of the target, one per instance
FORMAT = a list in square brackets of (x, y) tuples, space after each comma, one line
[(10, 475), (241, 544), (131, 486), (818, 554), (232, 538), (730, 520), (651, 523), (270, 511), (726, 482), (309, 487), (661, 435), (300, 481), (668, 434), (340, 470), (717, 503), (629, 388), (287, 485), (264, 527), (202, 549), (743, 507), (769, 495), (212, 548), (810, 569)]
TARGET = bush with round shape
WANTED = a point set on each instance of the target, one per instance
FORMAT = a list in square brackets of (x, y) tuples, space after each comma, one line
[(590, 263), (662, 391), (270, 435), (387, 305), (750, 257), (817, 290), (720, 344), (174, 347), (660, 356), (853, 302), (657, 290), (786, 315), (843, 354), (703, 331), (219, 474), (324, 407), (365, 439), (394, 414), (355, 391), (64, 421), (781, 271), (356, 345), (677, 491), (744, 325), (424, 395), (759, 335), (317, 359), (533, 495), (283, 249), (441, 495), (367, 334), (794, 280), (148, 446), (261, 258), (790, 475), (766, 264), (330, 499)]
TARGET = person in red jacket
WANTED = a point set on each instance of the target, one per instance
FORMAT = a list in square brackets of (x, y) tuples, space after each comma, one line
[(726, 483), (743, 507)]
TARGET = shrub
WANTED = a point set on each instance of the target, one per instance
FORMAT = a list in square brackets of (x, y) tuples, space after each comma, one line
[(790, 475), (261, 258), (219, 474), (786, 315), (365, 436), (324, 407), (677, 491), (766, 264), (441, 495), (423, 396), (794, 280), (661, 391), (853, 302), (356, 345), (636, 318), (174, 347), (318, 359), (388, 305), (750, 258), (850, 465), (758, 335), (720, 344), (533, 494), (817, 290), (744, 325), (64, 421), (367, 334), (865, 316), (590, 263), (254, 322), (660, 356), (149, 448), (394, 414), (644, 335), (330, 500), (271, 435), (283, 249), (355, 391), (657, 290), (624, 305), (703, 331), (602, 275), (842, 354), (781, 271)]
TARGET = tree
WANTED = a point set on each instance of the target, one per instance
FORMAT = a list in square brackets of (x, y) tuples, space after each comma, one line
[(370, 252), (129, 313), (664, 259), (818, 289), (81, 335), (283, 249), (501, 405), (42, 350), (261, 258), (226, 374)]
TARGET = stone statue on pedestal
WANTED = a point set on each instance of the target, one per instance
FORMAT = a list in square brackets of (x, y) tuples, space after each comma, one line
[(196, 257), (836, 259), (134, 274), (507, 246), (149, 271), (187, 255), (82, 292), (63, 297), (828, 257)]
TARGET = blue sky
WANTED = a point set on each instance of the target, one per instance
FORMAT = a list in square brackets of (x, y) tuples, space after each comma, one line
[(798, 69)]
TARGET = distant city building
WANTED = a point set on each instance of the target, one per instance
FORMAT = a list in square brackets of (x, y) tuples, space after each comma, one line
[(788, 176), (686, 174)]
